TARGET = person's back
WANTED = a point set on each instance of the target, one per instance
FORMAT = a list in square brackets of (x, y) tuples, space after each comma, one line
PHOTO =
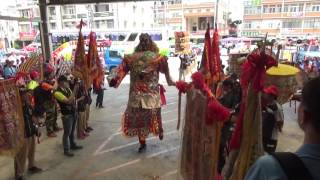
[(269, 168)]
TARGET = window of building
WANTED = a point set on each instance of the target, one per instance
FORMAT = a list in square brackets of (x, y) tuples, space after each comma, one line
[(265, 9), (69, 10), (301, 7), (316, 8), (286, 8), (272, 9), (294, 8), (52, 11), (110, 23), (279, 8), (125, 23), (69, 24), (247, 25), (53, 26), (292, 23), (25, 13), (102, 8), (312, 23)]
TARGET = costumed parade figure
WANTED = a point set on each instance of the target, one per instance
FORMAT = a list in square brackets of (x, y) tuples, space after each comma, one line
[(246, 141), (204, 117), (143, 113)]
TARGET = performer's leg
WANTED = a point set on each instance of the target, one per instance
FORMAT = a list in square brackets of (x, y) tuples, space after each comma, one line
[(143, 145)]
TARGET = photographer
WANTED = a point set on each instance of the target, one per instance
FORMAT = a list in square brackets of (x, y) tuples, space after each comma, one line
[(29, 145), (66, 100)]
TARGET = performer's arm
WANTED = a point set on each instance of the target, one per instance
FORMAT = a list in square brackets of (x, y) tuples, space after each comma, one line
[(164, 68), (117, 75)]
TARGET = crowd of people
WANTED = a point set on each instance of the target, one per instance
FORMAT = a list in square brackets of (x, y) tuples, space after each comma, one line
[(10, 67), (42, 103)]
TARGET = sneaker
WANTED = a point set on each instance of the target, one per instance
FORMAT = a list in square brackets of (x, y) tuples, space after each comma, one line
[(34, 170), (76, 147), (68, 154), (142, 148), (89, 128), (51, 135), (101, 106)]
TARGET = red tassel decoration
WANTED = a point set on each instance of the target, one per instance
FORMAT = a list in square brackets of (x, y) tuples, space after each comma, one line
[(198, 80), (182, 86), (216, 112)]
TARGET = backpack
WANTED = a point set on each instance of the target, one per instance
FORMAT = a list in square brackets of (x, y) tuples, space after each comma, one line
[(292, 166)]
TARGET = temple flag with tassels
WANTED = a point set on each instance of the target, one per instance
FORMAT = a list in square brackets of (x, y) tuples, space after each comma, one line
[(204, 116), (246, 141), (94, 65), (80, 69)]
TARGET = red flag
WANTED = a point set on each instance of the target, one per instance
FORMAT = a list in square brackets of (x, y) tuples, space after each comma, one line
[(207, 56), (215, 63), (94, 64), (80, 69)]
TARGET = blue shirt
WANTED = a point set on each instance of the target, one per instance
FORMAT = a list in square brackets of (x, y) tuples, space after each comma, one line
[(9, 72), (268, 168)]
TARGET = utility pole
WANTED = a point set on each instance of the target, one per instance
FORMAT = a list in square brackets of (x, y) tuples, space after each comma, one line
[(44, 33)]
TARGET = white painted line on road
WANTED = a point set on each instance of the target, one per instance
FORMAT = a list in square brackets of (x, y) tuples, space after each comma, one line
[(116, 167), (166, 112), (133, 162), (131, 144), (172, 103), (169, 174), (119, 133), (106, 142), (168, 121), (162, 152)]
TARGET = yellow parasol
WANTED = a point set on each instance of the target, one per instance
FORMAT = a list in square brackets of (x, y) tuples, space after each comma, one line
[(284, 77), (283, 70)]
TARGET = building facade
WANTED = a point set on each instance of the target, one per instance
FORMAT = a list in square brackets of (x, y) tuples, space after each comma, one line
[(8, 29), (192, 16), (281, 18)]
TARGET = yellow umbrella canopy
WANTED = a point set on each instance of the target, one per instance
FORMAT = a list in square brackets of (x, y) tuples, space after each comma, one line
[(284, 77), (283, 70)]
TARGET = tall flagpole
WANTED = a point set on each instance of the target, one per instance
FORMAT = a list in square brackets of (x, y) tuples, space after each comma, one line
[(216, 18)]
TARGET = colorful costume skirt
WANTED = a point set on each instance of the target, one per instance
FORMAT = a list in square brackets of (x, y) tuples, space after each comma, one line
[(140, 122)]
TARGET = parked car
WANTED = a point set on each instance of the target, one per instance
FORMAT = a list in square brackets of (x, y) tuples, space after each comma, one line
[(112, 58)]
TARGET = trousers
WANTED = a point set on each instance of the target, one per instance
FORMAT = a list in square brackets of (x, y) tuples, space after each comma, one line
[(69, 125)]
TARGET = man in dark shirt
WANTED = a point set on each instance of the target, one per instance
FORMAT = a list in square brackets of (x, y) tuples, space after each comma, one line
[(66, 100)]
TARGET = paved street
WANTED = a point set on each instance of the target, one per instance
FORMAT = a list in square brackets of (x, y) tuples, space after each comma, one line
[(109, 155)]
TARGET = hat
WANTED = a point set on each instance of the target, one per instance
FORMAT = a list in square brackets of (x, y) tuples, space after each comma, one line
[(34, 74), (272, 90)]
